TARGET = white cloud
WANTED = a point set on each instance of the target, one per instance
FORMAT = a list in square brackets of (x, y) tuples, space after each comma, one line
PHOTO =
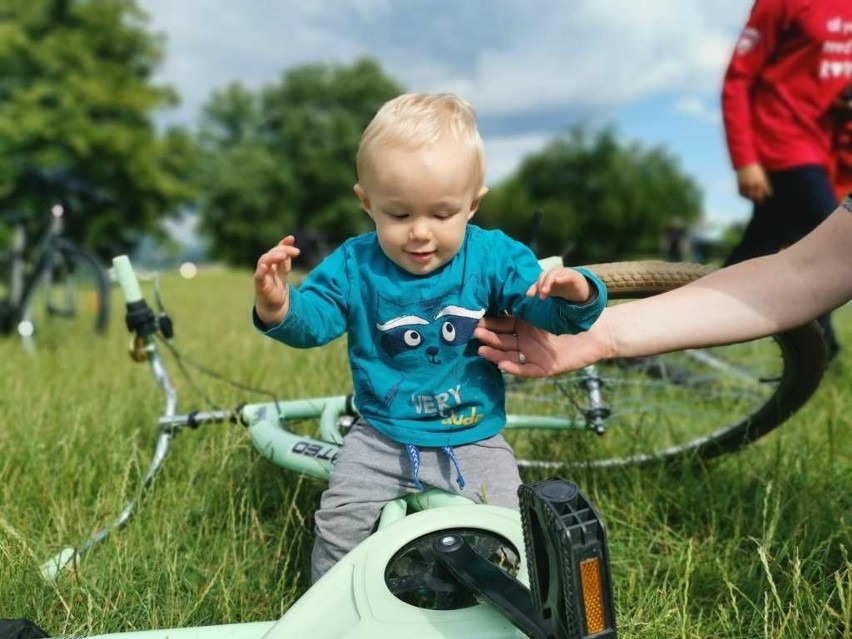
[(530, 68), (696, 107), (601, 54), (502, 153), (507, 56)]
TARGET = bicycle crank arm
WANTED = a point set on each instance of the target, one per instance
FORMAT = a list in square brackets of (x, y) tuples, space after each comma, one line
[(511, 598)]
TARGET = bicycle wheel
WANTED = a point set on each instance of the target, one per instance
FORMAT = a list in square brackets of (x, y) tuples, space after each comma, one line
[(66, 298), (697, 403)]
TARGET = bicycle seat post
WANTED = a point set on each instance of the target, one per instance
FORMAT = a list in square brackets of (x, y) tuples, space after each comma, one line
[(57, 213)]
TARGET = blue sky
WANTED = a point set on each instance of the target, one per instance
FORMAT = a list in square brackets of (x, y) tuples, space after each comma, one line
[(653, 69)]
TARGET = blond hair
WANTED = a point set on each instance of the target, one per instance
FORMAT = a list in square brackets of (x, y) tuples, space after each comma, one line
[(419, 119)]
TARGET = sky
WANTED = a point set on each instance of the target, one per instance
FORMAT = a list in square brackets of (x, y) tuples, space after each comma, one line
[(532, 68)]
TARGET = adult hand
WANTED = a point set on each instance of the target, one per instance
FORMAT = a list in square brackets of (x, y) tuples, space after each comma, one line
[(753, 183), (521, 349)]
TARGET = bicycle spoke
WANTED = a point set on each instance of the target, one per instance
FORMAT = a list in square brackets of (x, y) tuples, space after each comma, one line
[(700, 402), (67, 300)]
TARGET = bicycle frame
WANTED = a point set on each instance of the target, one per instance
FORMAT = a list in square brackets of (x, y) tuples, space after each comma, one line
[(20, 282), (43, 271), (308, 455), (356, 586), (45, 254)]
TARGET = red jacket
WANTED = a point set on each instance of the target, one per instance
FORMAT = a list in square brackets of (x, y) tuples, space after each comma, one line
[(793, 59)]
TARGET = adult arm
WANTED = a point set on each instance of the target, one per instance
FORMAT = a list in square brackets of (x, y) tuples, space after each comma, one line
[(755, 46), (737, 303)]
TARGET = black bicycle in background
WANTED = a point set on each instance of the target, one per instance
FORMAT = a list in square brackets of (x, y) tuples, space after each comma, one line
[(51, 289)]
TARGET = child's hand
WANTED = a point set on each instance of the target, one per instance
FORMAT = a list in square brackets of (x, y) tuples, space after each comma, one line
[(271, 291), (567, 283)]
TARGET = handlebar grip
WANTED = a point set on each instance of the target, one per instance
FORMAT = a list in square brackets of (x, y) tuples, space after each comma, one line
[(126, 278)]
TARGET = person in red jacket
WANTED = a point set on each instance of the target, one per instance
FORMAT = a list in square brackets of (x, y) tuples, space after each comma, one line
[(791, 62)]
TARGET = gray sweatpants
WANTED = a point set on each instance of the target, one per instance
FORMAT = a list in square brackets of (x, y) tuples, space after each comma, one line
[(372, 469)]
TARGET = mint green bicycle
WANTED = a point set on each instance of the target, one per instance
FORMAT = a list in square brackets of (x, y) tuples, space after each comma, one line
[(461, 571)]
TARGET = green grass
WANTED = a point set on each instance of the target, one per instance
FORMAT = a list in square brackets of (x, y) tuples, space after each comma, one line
[(758, 544)]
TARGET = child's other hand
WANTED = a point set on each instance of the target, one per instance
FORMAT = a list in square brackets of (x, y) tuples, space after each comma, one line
[(567, 283), (271, 291)]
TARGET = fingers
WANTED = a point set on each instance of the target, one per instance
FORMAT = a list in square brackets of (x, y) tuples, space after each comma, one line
[(510, 362), (270, 274), (563, 282), (502, 341), (753, 183), (544, 285), (279, 258), (281, 254), (757, 193), (497, 324)]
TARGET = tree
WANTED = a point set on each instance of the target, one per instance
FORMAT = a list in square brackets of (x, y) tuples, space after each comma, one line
[(76, 93), (282, 160), (600, 200)]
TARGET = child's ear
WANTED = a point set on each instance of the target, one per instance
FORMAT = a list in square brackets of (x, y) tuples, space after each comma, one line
[(474, 205), (362, 197)]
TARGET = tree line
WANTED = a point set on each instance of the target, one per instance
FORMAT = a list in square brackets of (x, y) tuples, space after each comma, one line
[(78, 93)]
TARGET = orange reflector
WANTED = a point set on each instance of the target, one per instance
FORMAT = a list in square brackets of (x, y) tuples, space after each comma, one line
[(590, 580)]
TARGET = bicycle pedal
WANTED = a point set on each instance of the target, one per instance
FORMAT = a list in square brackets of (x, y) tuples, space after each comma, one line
[(568, 560)]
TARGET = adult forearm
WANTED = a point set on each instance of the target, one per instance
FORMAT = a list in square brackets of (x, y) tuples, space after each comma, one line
[(703, 313), (755, 298)]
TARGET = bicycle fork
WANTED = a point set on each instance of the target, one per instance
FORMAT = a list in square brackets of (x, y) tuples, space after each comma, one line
[(597, 411)]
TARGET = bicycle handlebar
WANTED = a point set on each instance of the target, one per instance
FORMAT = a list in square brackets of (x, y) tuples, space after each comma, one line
[(127, 280), (141, 321), (140, 318)]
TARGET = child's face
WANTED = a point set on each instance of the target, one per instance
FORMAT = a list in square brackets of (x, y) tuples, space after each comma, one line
[(421, 200)]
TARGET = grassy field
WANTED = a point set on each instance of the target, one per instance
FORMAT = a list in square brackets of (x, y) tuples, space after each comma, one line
[(758, 544)]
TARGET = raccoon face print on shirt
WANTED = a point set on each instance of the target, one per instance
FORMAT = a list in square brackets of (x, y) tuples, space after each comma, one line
[(424, 341), (420, 347)]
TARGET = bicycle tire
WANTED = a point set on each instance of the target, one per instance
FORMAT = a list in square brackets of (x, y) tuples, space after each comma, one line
[(66, 297), (795, 362)]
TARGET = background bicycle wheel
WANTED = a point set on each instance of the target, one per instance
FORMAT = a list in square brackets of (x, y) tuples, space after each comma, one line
[(67, 299)]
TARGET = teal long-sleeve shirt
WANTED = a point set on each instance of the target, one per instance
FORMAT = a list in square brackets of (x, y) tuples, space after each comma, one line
[(415, 368)]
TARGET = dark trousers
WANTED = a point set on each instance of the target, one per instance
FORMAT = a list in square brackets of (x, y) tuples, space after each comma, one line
[(802, 198)]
